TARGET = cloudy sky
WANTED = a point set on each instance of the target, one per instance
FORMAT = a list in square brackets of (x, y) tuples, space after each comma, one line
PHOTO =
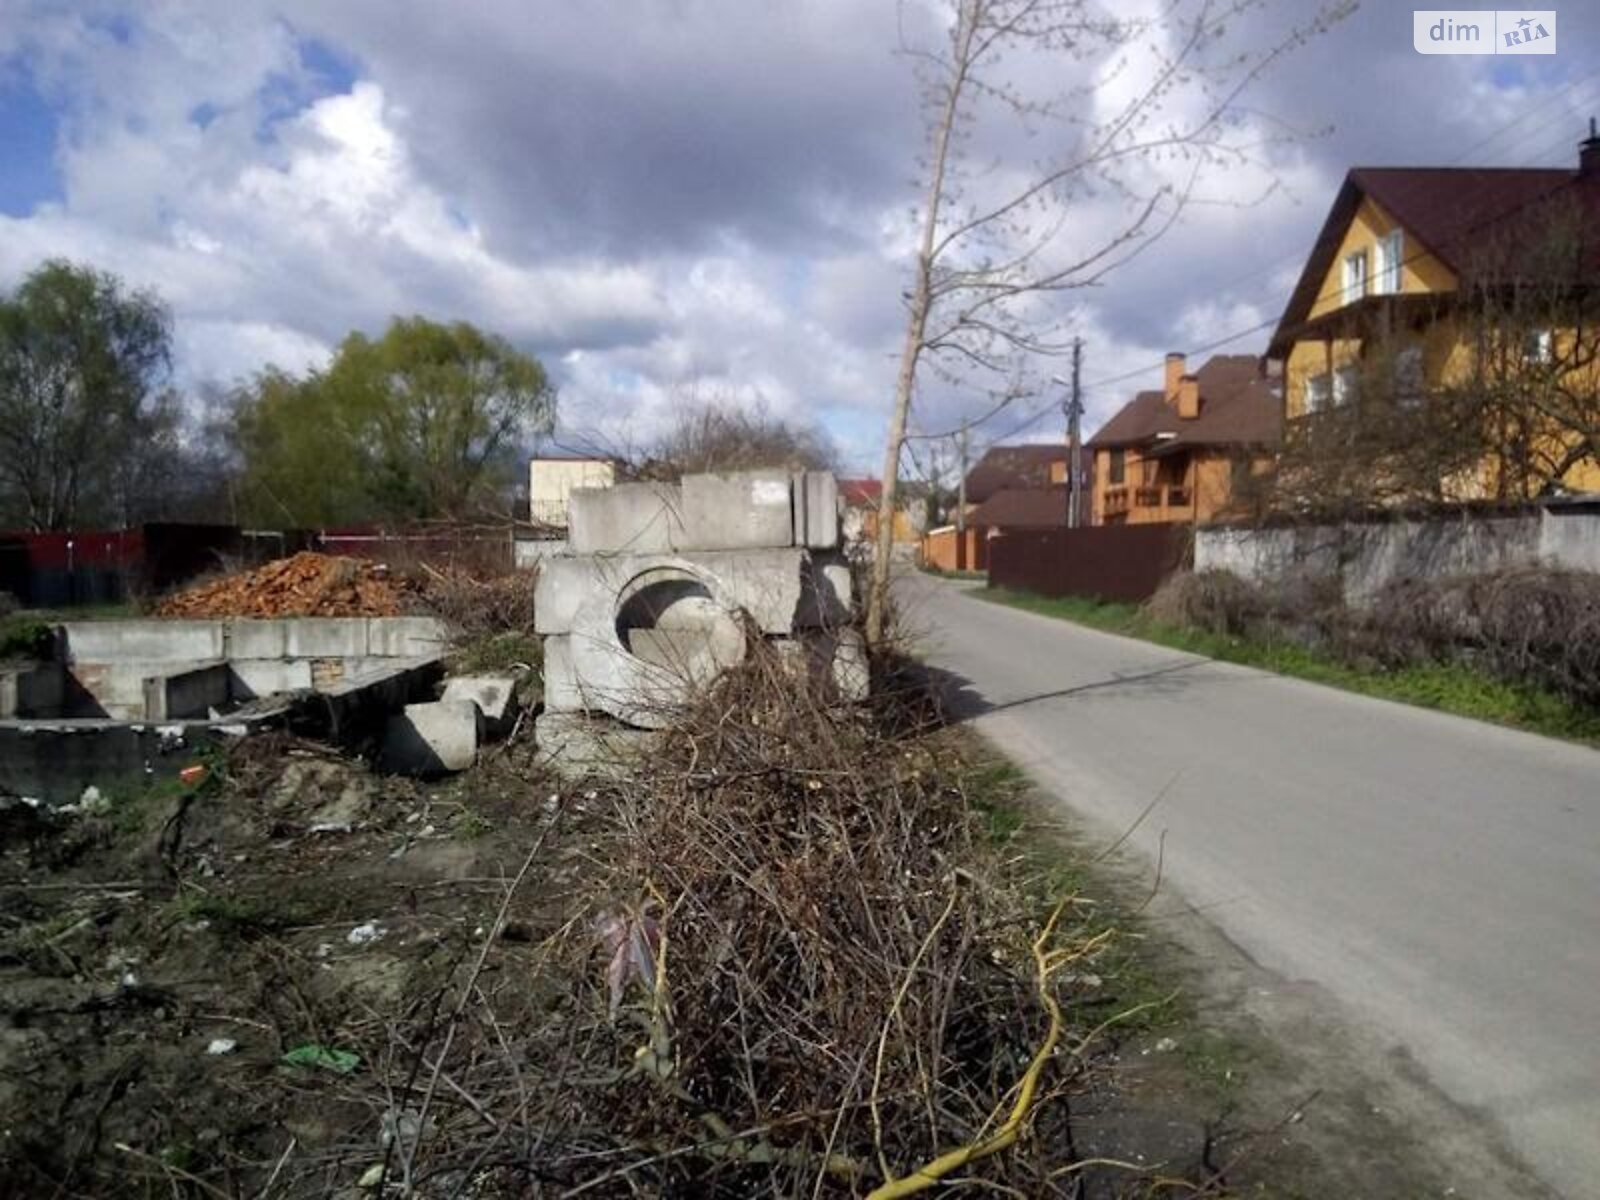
[(703, 198)]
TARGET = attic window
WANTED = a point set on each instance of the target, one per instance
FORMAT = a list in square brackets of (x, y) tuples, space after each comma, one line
[(1390, 255), (1355, 276)]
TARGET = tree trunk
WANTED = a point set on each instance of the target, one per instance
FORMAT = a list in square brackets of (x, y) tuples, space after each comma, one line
[(917, 322), (905, 382)]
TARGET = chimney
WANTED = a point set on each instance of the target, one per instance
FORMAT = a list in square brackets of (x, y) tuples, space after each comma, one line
[(1188, 397), (1174, 373), (1588, 154)]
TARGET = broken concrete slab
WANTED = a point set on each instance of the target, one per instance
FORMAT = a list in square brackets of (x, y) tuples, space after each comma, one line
[(574, 745), (495, 696), (432, 739), (631, 518), (744, 510)]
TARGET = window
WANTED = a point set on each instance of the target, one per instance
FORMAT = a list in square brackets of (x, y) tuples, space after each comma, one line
[(1355, 276), (1346, 385), (1390, 257), (1539, 347), (1408, 379), (1319, 391), (1118, 466)]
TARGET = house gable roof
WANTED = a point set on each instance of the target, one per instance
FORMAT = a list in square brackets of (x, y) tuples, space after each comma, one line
[(1023, 508), (1449, 211), (1024, 466), (1238, 406)]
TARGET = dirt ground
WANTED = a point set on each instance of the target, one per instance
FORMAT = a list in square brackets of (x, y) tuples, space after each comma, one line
[(159, 960), (234, 989)]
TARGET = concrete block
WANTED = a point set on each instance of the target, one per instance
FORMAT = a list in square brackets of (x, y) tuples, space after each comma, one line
[(144, 641), (816, 510), (432, 739), (574, 745), (827, 595), (495, 696), (851, 671), (631, 518), (746, 510), (643, 655), (35, 690), (256, 677), (768, 584), (405, 637), (190, 692), (258, 639), (563, 585), (561, 690), (528, 553), (326, 637)]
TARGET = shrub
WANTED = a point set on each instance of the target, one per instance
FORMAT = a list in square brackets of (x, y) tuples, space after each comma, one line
[(1217, 602)]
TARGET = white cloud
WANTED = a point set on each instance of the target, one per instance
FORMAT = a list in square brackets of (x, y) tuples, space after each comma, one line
[(707, 196)]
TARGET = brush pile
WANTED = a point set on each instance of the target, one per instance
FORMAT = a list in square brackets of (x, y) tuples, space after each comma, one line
[(302, 585), (792, 969)]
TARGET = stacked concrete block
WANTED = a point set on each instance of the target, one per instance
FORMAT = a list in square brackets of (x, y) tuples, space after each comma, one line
[(665, 586)]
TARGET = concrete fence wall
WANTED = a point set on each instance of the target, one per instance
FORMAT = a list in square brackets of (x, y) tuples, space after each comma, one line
[(1367, 556)]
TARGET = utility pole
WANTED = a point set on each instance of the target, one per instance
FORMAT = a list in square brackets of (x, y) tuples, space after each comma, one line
[(1073, 406), (961, 498)]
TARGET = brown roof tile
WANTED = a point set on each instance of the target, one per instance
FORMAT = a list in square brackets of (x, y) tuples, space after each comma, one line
[(1024, 508), (1238, 406), (1454, 213), (1024, 466)]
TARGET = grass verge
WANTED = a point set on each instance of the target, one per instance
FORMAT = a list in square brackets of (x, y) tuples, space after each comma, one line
[(1448, 687)]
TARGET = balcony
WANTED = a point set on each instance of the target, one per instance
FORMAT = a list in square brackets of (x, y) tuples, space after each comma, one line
[(1147, 497), (1177, 497), (1116, 500)]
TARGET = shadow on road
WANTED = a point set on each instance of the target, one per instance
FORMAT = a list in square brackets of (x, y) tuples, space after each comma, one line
[(963, 701)]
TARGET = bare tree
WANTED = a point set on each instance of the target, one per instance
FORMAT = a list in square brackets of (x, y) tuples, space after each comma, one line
[(723, 435), (996, 239), (1531, 317)]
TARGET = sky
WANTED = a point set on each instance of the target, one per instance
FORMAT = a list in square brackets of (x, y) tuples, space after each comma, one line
[(685, 201)]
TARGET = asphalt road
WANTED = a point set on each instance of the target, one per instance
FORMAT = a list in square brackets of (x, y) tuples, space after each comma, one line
[(1440, 877)]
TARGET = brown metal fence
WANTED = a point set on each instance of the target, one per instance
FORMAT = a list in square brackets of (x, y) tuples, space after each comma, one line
[(1102, 562)]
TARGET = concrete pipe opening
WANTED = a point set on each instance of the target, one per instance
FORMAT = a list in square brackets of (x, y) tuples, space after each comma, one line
[(669, 619)]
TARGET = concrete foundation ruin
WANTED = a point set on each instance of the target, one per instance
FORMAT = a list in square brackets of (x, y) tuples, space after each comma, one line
[(664, 586), (118, 701)]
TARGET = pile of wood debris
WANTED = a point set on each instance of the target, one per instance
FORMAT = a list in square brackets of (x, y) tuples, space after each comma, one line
[(303, 585)]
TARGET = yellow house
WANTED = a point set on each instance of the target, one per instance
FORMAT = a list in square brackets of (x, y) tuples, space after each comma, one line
[(1396, 283), (1183, 453)]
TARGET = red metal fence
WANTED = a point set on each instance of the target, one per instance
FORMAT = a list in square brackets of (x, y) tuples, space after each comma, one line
[(1102, 562)]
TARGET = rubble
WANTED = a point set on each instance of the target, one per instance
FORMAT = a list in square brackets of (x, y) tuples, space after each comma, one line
[(303, 585)]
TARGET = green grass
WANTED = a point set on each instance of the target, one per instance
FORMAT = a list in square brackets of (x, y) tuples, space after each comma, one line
[(498, 652), (1448, 687), (25, 637)]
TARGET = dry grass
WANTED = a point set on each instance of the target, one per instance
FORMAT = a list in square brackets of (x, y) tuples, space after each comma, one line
[(793, 967)]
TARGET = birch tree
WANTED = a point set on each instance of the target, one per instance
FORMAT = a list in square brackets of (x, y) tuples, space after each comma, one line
[(998, 235)]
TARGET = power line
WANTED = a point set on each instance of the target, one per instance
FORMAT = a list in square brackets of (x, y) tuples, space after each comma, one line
[(1518, 120)]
